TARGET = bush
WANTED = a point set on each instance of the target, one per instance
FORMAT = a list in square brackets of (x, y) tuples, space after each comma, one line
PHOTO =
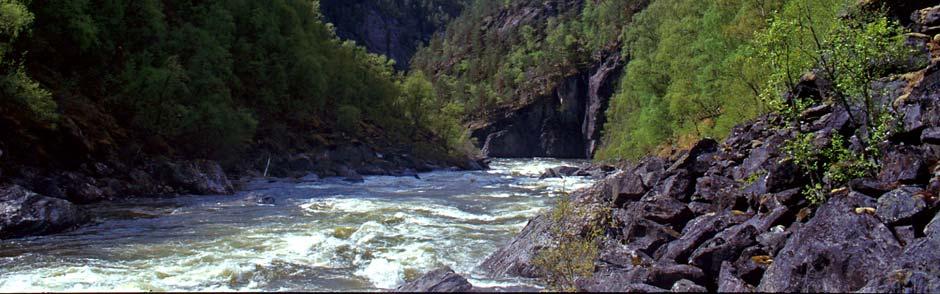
[(348, 118), (574, 249)]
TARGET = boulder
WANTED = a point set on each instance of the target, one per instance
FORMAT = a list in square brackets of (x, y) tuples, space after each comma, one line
[(561, 171), (696, 232), (628, 187), (903, 281), (901, 205), (515, 259), (903, 165), (728, 280), (686, 286), (933, 227), (439, 280), (24, 213), (726, 245), (838, 250), (931, 136), (202, 177)]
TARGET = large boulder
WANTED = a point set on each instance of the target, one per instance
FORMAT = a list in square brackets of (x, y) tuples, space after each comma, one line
[(901, 205), (24, 213), (838, 250), (202, 177), (439, 280), (515, 259)]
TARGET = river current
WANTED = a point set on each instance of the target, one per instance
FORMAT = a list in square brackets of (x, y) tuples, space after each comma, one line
[(319, 235)]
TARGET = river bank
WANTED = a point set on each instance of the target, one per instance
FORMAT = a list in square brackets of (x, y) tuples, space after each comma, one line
[(305, 234)]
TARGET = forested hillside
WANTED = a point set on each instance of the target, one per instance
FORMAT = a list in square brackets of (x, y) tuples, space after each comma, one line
[(394, 28), (247, 83)]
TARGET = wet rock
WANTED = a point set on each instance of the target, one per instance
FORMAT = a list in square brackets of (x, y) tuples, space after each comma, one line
[(515, 259), (201, 177), (900, 205), (557, 172), (349, 174), (686, 286), (838, 250), (24, 213), (439, 280), (258, 198)]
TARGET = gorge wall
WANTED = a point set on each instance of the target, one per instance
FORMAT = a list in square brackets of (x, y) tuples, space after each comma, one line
[(566, 123), (393, 28)]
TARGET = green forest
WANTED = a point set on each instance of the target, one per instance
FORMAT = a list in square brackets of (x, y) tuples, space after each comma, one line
[(695, 68), (209, 78), (214, 77)]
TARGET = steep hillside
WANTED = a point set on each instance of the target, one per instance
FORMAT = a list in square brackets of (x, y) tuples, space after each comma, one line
[(114, 99), (393, 28), (533, 77)]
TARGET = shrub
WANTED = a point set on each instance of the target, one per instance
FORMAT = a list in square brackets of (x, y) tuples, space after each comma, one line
[(348, 118), (574, 249)]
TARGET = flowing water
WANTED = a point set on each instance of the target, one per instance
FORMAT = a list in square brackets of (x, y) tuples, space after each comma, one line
[(318, 235)]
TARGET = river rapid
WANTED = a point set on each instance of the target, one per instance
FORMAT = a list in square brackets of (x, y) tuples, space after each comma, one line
[(319, 235)]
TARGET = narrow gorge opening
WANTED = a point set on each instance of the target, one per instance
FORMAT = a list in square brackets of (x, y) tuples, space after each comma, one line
[(567, 123)]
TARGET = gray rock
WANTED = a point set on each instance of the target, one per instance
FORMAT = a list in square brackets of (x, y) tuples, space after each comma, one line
[(629, 188), (931, 136), (903, 281), (696, 232), (439, 280), (933, 227), (900, 205), (728, 280), (515, 259), (838, 250), (686, 286), (201, 177), (902, 165), (726, 245), (24, 213)]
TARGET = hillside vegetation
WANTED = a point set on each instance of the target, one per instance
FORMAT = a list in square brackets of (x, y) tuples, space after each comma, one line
[(202, 79)]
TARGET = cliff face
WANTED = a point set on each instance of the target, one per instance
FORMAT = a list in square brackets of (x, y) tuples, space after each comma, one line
[(566, 123), (393, 28)]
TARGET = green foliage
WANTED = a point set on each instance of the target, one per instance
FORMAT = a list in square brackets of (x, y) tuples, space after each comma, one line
[(835, 164), (16, 87), (483, 68), (347, 119), (210, 78), (574, 250), (691, 74)]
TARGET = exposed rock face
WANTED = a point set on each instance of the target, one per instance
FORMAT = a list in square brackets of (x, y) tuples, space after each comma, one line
[(439, 280), (24, 213), (393, 28), (565, 124)]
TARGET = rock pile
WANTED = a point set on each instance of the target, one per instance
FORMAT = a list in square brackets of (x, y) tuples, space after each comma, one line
[(731, 216)]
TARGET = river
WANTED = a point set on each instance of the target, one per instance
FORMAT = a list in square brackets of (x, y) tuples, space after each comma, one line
[(319, 235)]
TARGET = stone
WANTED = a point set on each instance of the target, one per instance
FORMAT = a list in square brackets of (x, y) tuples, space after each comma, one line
[(665, 275), (836, 251), (728, 281), (663, 210), (726, 245), (258, 198), (903, 281), (686, 286), (24, 213), (628, 188), (202, 177), (678, 186), (689, 159), (933, 227), (713, 188), (902, 165), (696, 232), (900, 205), (931, 136), (905, 234), (515, 258), (439, 280)]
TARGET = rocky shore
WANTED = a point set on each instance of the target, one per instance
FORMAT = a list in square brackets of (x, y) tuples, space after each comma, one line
[(39, 201), (732, 216)]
